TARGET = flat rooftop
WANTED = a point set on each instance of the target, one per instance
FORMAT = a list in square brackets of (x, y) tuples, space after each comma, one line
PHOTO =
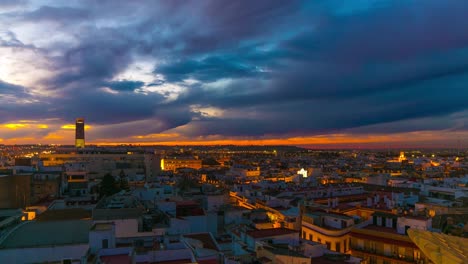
[(51, 233), (65, 214), (102, 226)]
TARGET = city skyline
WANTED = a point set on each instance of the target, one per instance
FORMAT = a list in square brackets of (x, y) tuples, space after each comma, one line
[(307, 73)]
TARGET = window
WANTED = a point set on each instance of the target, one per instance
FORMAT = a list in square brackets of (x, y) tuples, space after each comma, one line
[(303, 234), (360, 244), (319, 240), (105, 243), (401, 252), (389, 222), (387, 250), (311, 237), (379, 221), (345, 246), (372, 246), (328, 244), (337, 247), (344, 224), (417, 254)]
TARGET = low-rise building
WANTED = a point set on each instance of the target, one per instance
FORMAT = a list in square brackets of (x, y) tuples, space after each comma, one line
[(331, 229)]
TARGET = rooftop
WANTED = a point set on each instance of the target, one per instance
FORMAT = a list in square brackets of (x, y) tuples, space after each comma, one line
[(49, 233), (117, 259), (270, 232), (102, 226), (206, 239), (282, 249), (64, 214)]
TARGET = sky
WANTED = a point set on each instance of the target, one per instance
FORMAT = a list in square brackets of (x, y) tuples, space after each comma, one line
[(310, 73)]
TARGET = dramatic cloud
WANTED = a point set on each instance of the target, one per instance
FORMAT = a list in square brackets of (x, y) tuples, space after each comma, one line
[(233, 70)]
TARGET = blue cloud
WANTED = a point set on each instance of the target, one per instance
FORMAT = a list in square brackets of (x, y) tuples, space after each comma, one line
[(125, 85), (274, 67)]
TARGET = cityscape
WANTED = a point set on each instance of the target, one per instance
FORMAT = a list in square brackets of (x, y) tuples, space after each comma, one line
[(233, 132)]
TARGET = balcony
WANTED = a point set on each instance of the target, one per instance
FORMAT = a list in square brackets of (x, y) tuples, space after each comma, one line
[(361, 252)]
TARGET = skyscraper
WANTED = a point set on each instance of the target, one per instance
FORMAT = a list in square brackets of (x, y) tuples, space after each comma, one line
[(80, 133)]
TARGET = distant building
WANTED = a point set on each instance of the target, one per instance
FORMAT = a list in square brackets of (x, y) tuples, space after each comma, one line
[(80, 133), (174, 163), (245, 171), (99, 164)]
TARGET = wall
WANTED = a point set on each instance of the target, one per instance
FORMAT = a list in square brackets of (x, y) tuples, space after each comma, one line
[(336, 222), (413, 223), (124, 227), (214, 202), (15, 191), (97, 236), (43, 254), (179, 226), (333, 237)]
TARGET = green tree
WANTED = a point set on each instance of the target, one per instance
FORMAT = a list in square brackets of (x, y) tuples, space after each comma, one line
[(108, 186), (185, 184), (124, 184), (123, 181)]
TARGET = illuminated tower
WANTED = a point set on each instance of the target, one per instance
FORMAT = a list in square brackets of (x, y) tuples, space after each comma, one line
[(402, 156), (79, 133)]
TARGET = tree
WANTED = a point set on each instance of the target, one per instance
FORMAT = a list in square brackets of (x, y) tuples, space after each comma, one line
[(185, 184), (123, 182), (108, 186)]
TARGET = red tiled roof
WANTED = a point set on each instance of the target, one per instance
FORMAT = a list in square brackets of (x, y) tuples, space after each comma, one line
[(264, 260), (208, 261), (206, 239), (116, 259), (178, 261), (185, 203), (270, 232), (188, 208)]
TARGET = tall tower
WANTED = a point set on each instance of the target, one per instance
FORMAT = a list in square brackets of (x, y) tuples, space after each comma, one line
[(79, 133)]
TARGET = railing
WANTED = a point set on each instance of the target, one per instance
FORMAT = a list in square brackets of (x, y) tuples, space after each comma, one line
[(393, 258)]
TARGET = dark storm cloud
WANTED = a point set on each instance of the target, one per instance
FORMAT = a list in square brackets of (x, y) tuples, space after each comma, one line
[(125, 85), (209, 69), (9, 89), (12, 3), (273, 67), (59, 14)]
